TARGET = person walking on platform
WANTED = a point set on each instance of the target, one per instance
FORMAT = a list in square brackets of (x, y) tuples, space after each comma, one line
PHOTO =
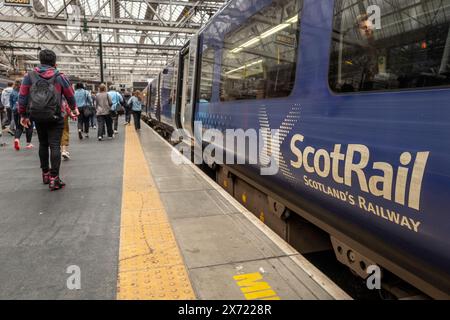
[(40, 100), (6, 93), (104, 104), (117, 102), (126, 98), (2, 119), (135, 103), (14, 98), (84, 103), (93, 117), (66, 132), (2, 113)]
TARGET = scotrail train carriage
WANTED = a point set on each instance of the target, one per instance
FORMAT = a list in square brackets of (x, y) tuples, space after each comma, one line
[(359, 91)]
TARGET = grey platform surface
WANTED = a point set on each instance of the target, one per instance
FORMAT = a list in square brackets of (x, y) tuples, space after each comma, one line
[(42, 233), (218, 241)]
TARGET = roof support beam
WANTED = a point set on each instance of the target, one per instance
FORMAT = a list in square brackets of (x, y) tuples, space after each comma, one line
[(89, 44), (210, 4), (142, 56), (63, 7), (95, 24)]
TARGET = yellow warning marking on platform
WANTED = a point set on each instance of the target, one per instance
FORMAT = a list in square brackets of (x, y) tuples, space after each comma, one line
[(254, 288), (150, 263)]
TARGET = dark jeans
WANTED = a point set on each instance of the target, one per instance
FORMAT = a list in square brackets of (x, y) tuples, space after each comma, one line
[(93, 120), (50, 135), (20, 129), (128, 113), (137, 119), (83, 122), (8, 116), (102, 121)]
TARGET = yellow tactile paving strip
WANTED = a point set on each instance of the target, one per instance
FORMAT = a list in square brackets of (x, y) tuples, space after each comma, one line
[(150, 263)]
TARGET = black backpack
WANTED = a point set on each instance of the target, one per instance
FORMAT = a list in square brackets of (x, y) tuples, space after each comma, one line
[(44, 103)]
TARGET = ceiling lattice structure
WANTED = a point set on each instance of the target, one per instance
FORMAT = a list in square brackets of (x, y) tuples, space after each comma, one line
[(139, 36)]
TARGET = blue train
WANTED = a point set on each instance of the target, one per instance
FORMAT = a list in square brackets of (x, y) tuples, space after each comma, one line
[(359, 92)]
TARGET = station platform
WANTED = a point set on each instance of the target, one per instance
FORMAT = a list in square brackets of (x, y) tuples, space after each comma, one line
[(131, 224)]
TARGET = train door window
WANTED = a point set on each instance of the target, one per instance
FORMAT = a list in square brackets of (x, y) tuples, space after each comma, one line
[(191, 71), (390, 45), (153, 92), (206, 80), (184, 84), (174, 87), (259, 58), (167, 87)]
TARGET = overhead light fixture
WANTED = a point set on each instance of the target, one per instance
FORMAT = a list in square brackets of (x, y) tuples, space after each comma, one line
[(244, 67), (266, 34)]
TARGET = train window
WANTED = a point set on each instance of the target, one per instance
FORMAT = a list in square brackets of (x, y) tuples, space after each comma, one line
[(206, 82), (191, 74), (153, 93), (259, 58), (174, 79), (390, 45), (168, 95)]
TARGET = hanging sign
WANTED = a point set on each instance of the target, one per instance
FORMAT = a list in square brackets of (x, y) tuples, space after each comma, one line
[(20, 3)]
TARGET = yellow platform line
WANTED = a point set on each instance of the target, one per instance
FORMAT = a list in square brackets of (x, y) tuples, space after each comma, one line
[(150, 263)]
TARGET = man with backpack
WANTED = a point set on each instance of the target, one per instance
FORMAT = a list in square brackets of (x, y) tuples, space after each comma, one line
[(84, 102), (40, 101), (117, 105)]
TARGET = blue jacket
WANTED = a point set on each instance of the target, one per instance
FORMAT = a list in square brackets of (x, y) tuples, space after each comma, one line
[(135, 104), (83, 98), (116, 98), (13, 99)]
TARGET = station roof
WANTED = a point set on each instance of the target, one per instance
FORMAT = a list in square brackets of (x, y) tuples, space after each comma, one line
[(139, 36)]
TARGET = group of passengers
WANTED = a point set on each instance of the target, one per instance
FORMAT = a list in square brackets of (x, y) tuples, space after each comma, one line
[(10, 118), (104, 108), (21, 111)]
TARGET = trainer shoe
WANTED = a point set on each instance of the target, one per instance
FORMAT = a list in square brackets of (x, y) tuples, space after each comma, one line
[(45, 177), (29, 146), (56, 184), (17, 144), (65, 155), (80, 134), (100, 138)]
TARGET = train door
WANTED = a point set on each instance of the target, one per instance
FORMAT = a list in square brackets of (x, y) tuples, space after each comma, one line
[(148, 98), (157, 95), (183, 84), (187, 84)]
